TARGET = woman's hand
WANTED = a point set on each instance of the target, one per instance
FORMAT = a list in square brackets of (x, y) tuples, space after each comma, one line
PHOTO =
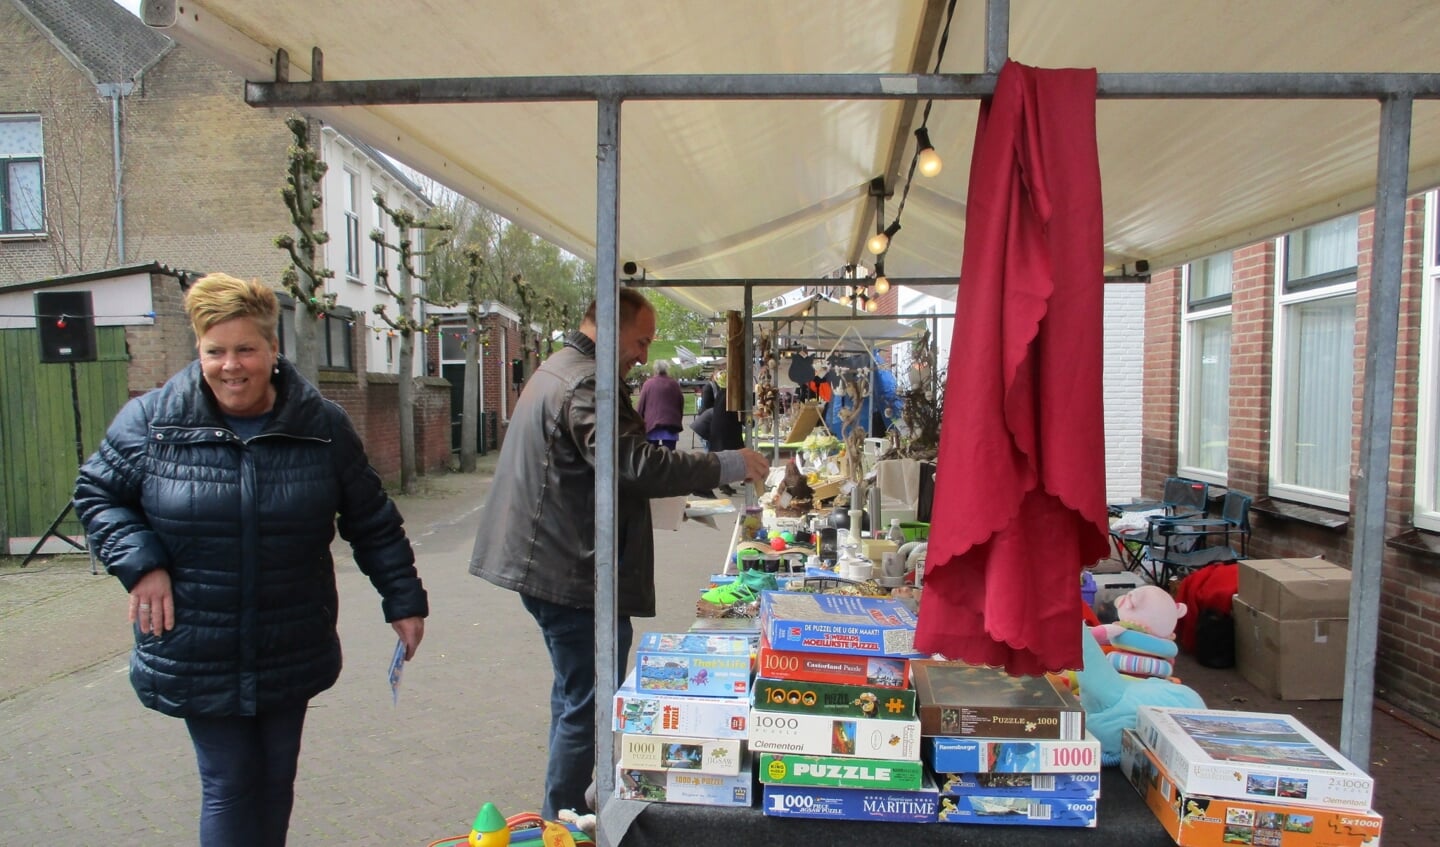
[(152, 605), (411, 631)]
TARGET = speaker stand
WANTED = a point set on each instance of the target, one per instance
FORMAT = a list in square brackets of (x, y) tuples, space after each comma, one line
[(54, 529)]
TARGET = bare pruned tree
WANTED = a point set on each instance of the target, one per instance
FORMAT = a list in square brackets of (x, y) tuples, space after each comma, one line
[(305, 277)]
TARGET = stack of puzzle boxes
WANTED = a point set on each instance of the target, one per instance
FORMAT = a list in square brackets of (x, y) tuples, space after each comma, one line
[(833, 725), (1215, 778), (683, 714), (1006, 749)]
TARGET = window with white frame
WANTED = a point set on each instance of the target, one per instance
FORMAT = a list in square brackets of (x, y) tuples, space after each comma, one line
[(22, 173), (381, 219), (1205, 369), (351, 182), (1427, 453), (1313, 404)]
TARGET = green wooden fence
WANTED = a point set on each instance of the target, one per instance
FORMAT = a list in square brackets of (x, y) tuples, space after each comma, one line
[(37, 426)]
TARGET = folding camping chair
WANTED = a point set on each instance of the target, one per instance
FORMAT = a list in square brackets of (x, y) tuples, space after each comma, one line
[(1181, 498), (1184, 545)]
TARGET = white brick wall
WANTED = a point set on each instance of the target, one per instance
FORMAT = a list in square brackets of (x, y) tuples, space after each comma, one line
[(1124, 364)]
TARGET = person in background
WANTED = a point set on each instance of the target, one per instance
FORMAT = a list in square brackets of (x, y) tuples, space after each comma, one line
[(537, 526), (214, 500), (662, 405), (724, 431)]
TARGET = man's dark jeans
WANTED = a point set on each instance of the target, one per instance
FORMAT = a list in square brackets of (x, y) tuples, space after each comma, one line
[(570, 638), (247, 776)]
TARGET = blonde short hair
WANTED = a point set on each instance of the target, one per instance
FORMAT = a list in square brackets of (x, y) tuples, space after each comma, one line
[(217, 298)]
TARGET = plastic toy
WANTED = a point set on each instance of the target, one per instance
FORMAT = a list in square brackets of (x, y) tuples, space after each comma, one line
[(1112, 699), (1142, 641), (490, 828)]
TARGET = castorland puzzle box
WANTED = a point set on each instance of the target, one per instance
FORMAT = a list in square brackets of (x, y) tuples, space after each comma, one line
[(851, 804), (1197, 820), (817, 735), (701, 789), (658, 713), (836, 701), (1252, 755), (837, 623), (703, 665), (840, 771), (834, 668), (982, 755), (957, 699)]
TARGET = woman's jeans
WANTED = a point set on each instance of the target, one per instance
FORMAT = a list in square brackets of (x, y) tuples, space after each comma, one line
[(570, 638), (247, 776)]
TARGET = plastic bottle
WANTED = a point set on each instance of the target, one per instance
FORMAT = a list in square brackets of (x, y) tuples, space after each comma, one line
[(896, 534)]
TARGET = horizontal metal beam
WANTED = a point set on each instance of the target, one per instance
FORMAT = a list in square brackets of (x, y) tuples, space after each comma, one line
[(790, 282), (863, 316), (1125, 86)]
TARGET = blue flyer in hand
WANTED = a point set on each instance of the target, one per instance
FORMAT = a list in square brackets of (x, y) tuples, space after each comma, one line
[(397, 664)]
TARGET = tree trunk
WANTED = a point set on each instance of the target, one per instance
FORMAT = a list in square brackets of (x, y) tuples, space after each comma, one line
[(406, 385), (304, 357), (470, 406)]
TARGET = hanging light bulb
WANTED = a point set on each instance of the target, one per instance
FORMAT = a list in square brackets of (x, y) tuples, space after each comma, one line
[(880, 241), (845, 299), (872, 305), (928, 161), (882, 282)]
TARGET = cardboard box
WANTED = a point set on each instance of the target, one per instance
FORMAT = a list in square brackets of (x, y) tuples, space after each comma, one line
[(1295, 589), (971, 700), (1197, 820), (1076, 786), (1252, 756), (836, 668), (701, 789), (819, 735), (699, 664), (836, 701), (838, 623), (1018, 811), (702, 755), (852, 804), (1290, 659), (657, 713), (953, 754), (840, 771)]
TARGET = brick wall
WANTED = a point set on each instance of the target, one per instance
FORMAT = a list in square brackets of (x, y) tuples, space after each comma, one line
[(1409, 626), (159, 350)]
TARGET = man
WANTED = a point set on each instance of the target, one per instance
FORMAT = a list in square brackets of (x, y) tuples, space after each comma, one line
[(724, 431), (662, 405), (537, 533)]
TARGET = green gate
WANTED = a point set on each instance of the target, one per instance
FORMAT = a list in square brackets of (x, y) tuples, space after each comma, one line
[(37, 427)]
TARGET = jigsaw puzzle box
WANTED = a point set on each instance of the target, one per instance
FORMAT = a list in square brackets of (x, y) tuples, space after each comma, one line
[(840, 771), (1198, 820), (817, 735), (953, 754), (698, 664), (1076, 786), (836, 701), (834, 668), (703, 755), (699, 789), (659, 713), (837, 623), (851, 804), (1252, 756), (1018, 811)]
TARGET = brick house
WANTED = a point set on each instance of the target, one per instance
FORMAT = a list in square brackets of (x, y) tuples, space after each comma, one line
[(125, 153), (1254, 370)]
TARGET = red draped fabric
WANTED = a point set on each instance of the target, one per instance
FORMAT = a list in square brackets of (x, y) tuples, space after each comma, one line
[(1020, 478)]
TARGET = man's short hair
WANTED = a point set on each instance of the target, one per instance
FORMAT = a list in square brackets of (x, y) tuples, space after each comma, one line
[(662, 366), (630, 302)]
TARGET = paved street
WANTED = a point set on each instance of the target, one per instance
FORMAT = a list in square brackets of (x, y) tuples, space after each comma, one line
[(82, 758)]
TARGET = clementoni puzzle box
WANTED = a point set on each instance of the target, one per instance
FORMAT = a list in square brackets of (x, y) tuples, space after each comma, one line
[(698, 664), (840, 771), (837, 623), (660, 713), (1198, 820), (985, 755), (838, 701), (819, 735), (1252, 756)]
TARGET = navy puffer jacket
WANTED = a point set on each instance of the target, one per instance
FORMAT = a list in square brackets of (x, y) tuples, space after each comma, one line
[(244, 528)]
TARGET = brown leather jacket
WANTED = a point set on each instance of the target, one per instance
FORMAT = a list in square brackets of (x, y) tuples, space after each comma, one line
[(537, 527)]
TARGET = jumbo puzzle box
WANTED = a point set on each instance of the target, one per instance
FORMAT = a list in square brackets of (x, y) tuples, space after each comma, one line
[(840, 771), (984, 755), (1252, 756), (661, 713), (851, 804), (837, 623), (698, 664), (1198, 820)]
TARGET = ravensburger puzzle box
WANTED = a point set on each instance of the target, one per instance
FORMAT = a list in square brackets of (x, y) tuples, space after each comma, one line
[(837, 623), (955, 754), (660, 713)]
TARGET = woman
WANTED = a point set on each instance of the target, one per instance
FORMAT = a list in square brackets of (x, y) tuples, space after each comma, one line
[(214, 499)]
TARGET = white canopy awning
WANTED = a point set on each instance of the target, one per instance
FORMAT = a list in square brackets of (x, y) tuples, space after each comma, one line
[(779, 188)]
